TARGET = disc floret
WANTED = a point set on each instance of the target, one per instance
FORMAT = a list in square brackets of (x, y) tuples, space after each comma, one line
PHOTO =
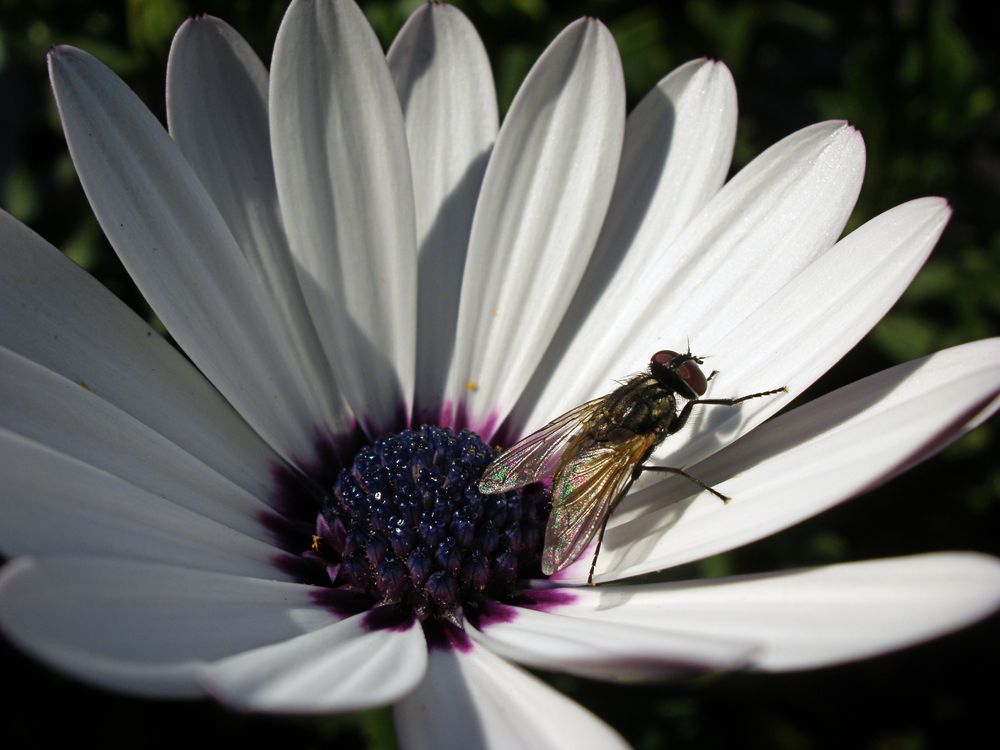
[(406, 524)]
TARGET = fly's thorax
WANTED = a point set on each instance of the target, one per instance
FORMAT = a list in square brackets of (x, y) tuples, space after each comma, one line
[(641, 406)]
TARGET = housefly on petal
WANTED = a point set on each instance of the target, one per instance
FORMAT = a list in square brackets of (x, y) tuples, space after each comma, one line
[(595, 452)]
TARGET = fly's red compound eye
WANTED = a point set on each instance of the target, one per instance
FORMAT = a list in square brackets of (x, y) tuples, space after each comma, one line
[(694, 377)]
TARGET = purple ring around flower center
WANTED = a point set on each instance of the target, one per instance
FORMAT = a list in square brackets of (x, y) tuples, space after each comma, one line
[(404, 534)]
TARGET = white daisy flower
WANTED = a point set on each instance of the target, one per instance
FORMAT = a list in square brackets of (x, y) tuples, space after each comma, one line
[(355, 258)]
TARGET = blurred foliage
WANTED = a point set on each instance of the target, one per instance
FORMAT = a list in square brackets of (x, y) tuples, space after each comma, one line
[(918, 78)]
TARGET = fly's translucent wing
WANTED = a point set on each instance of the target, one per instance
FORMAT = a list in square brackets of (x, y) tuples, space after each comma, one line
[(536, 456), (585, 490)]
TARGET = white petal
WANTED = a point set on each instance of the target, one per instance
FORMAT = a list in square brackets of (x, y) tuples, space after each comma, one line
[(54, 503), (343, 175), (814, 320), (774, 218), (217, 111), (474, 699), (544, 197), (58, 413), (607, 650), (806, 461), (145, 628), (176, 246), (57, 316), (803, 619), (445, 86), (342, 667), (677, 151)]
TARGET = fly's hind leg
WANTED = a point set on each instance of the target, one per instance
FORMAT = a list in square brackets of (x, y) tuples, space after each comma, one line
[(597, 551), (604, 524), (635, 475)]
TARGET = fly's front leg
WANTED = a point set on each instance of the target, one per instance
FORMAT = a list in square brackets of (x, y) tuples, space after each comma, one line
[(682, 418)]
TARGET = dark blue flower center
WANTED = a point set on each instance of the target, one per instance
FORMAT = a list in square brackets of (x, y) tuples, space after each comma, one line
[(406, 524)]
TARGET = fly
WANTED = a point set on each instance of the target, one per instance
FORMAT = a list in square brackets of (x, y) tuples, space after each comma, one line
[(596, 451)]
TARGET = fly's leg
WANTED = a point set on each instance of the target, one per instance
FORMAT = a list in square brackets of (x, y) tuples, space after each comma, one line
[(600, 538), (681, 472), (604, 524), (635, 475), (682, 418)]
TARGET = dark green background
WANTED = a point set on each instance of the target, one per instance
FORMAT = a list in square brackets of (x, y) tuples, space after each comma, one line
[(919, 79)]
